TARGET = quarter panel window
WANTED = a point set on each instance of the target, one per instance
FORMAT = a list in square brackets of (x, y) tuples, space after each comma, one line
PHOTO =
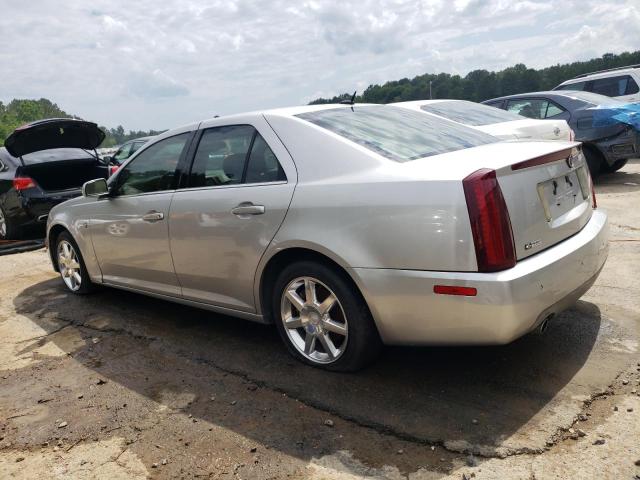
[(263, 165), (154, 169), (553, 110)]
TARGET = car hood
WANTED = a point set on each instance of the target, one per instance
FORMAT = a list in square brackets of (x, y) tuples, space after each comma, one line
[(529, 129), (53, 133)]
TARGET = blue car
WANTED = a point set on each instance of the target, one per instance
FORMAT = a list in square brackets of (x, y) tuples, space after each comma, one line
[(608, 128)]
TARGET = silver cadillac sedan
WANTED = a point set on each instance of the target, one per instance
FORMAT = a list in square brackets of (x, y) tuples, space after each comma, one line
[(348, 226)]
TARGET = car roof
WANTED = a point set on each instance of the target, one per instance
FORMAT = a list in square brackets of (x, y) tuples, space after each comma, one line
[(601, 74), (546, 93)]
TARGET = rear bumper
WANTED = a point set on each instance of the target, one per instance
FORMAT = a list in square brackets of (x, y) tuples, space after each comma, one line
[(36, 206), (508, 305), (620, 147)]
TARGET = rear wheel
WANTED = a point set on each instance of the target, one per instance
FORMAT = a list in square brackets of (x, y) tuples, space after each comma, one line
[(617, 165), (594, 160), (71, 265), (8, 230), (322, 320)]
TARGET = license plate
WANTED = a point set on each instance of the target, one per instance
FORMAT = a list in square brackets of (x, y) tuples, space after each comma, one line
[(561, 194)]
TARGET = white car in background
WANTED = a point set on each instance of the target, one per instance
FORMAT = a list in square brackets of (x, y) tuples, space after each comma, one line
[(491, 120)]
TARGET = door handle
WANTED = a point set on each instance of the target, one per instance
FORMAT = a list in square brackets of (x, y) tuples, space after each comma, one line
[(153, 216), (248, 208)]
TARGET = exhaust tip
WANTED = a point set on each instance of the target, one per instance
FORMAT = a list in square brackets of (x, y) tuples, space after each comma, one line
[(543, 326)]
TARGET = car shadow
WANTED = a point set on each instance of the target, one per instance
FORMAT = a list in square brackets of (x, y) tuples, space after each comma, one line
[(477, 396), (618, 182)]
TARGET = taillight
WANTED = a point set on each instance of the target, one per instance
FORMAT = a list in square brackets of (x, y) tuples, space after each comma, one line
[(490, 222), (113, 169), (23, 183), (594, 203)]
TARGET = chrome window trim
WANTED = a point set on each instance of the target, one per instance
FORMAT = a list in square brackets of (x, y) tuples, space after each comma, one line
[(236, 185)]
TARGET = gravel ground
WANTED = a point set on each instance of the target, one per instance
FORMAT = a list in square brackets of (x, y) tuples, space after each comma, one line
[(117, 385)]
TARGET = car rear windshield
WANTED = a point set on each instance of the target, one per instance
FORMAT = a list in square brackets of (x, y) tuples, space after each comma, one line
[(396, 133), (57, 155), (470, 113)]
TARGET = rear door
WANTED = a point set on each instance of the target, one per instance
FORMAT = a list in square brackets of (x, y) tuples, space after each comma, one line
[(129, 229), (236, 197)]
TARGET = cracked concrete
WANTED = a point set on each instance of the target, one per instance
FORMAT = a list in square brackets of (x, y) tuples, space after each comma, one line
[(139, 381)]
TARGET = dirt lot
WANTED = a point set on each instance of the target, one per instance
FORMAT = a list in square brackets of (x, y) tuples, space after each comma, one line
[(117, 385)]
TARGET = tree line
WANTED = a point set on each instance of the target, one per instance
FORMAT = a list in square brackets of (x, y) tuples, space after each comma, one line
[(20, 111), (480, 85)]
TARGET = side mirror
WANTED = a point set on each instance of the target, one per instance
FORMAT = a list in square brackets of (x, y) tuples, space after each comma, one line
[(95, 188)]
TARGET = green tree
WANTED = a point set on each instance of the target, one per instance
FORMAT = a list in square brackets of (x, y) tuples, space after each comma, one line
[(479, 85)]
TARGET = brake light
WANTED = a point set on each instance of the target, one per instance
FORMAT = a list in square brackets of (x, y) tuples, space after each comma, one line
[(23, 183), (490, 222), (113, 169)]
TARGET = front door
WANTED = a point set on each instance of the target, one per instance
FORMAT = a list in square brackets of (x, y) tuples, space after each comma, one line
[(221, 224), (129, 229)]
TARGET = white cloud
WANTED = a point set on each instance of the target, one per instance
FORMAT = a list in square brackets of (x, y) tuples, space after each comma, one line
[(149, 64)]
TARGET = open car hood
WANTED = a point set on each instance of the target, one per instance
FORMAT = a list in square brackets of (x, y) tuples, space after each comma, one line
[(53, 133)]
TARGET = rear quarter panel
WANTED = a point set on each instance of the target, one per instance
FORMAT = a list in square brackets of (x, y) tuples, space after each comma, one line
[(369, 212)]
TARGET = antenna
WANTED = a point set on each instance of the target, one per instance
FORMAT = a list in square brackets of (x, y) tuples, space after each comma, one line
[(351, 101)]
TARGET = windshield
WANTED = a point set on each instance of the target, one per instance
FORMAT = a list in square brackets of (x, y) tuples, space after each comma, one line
[(470, 113), (396, 133), (594, 98)]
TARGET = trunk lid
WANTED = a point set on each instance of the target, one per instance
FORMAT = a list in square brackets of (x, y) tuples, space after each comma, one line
[(529, 129), (53, 133), (548, 198), (525, 172)]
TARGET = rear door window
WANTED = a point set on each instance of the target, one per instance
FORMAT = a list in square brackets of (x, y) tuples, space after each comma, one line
[(537, 108), (231, 155), (396, 133), (615, 86)]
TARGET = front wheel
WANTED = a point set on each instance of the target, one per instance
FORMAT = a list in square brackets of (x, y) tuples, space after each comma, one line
[(71, 266), (322, 320)]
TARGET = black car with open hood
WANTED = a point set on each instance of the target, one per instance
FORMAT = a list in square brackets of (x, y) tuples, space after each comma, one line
[(42, 164)]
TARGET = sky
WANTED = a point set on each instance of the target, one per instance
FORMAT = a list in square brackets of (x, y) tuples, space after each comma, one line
[(159, 64)]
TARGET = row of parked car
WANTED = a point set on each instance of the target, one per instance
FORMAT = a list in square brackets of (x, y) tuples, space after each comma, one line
[(347, 226)]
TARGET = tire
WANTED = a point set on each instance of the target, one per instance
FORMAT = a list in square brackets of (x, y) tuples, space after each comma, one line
[(71, 265), (341, 338), (617, 165), (594, 161), (8, 230)]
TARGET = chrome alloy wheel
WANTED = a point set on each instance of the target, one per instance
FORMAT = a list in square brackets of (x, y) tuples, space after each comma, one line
[(314, 320), (3, 225), (69, 266)]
